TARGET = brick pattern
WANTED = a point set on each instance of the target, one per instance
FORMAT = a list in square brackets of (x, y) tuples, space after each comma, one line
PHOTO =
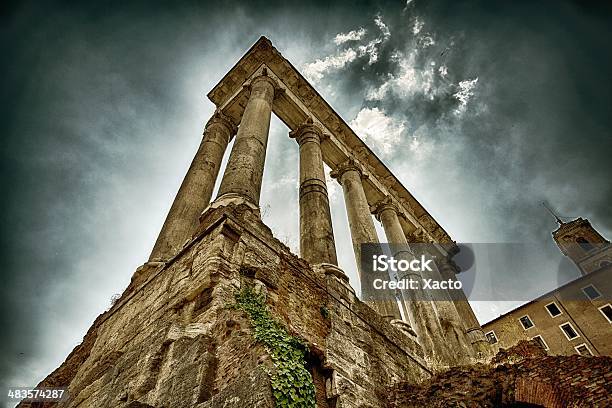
[(522, 374)]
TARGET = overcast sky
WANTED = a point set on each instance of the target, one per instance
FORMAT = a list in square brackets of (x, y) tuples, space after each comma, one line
[(481, 111)]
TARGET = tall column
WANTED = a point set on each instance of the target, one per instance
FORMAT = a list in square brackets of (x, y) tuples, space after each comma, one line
[(419, 306), (472, 327), (316, 234), (362, 232), (244, 172), (196, 190), (448, 315)]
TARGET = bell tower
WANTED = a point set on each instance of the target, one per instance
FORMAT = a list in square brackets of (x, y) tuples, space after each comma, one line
[(583, 244)]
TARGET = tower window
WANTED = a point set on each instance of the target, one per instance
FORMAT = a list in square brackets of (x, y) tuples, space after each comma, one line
[(591, 292), (540, 340), (583, 350), (569, 331), (491, 337), (606, 310), (553, 309), (584, 244), (526, 322)]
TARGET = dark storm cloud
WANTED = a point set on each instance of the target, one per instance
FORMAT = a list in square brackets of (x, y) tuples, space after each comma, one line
[(535, 126), (542, 76), (104, 104)]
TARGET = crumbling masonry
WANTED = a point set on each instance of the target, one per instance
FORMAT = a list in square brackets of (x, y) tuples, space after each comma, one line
[(176, 338)]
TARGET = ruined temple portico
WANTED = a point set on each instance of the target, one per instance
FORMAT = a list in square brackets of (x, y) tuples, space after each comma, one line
[(172, 338)]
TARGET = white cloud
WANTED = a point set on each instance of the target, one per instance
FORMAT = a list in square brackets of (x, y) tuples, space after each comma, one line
[(464, 94), (383, 27), (423, 39), (426, 41), (418, 25), (380, 131), (370, 49), (354, 35), (443, 70), (315, 71), (408, 81)]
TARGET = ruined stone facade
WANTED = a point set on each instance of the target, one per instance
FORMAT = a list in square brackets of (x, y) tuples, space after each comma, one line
[(176, 337)]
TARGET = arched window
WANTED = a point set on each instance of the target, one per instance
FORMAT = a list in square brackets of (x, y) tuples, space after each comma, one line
[(584, 244)]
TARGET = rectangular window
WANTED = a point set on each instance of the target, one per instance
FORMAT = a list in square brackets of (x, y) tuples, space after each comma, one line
[(583, 350), (541, 341), (491, 337), (526, 322), (569, 331), (553, 309), (591, 292), (606, 310)]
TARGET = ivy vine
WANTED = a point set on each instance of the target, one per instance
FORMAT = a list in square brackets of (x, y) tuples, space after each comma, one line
[(292, 384)]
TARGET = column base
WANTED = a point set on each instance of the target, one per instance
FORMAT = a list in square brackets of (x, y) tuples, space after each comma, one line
[(231, 200)]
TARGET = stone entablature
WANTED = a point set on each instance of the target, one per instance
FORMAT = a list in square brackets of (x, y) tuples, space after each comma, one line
[(263, 83), (298, 101)]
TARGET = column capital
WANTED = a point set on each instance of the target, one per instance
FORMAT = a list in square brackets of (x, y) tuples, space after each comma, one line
[(308, 131), (348, 165), (417, 236), (383, 205), (265, 78), (220, 118)]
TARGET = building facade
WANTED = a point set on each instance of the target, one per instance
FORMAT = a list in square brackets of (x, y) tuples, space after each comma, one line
[(575, 318)]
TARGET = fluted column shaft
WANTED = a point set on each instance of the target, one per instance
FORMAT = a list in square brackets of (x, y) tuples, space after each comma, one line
[(244, 172), (196, 190), (316, 234), (362, 232)]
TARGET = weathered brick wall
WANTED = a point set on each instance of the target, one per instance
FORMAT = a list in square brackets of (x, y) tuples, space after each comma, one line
[(171, 340), (522, 374)]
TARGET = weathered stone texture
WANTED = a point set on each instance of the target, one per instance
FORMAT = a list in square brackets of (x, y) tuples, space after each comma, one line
[(365, 352), (196, 189), (172, 340), (245, 167)]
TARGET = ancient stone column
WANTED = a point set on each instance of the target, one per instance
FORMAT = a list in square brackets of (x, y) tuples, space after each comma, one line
[(472, 327), (244, 172), (196, 190), (362, 232), (450, 320), (421, 311), (316, 234)]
